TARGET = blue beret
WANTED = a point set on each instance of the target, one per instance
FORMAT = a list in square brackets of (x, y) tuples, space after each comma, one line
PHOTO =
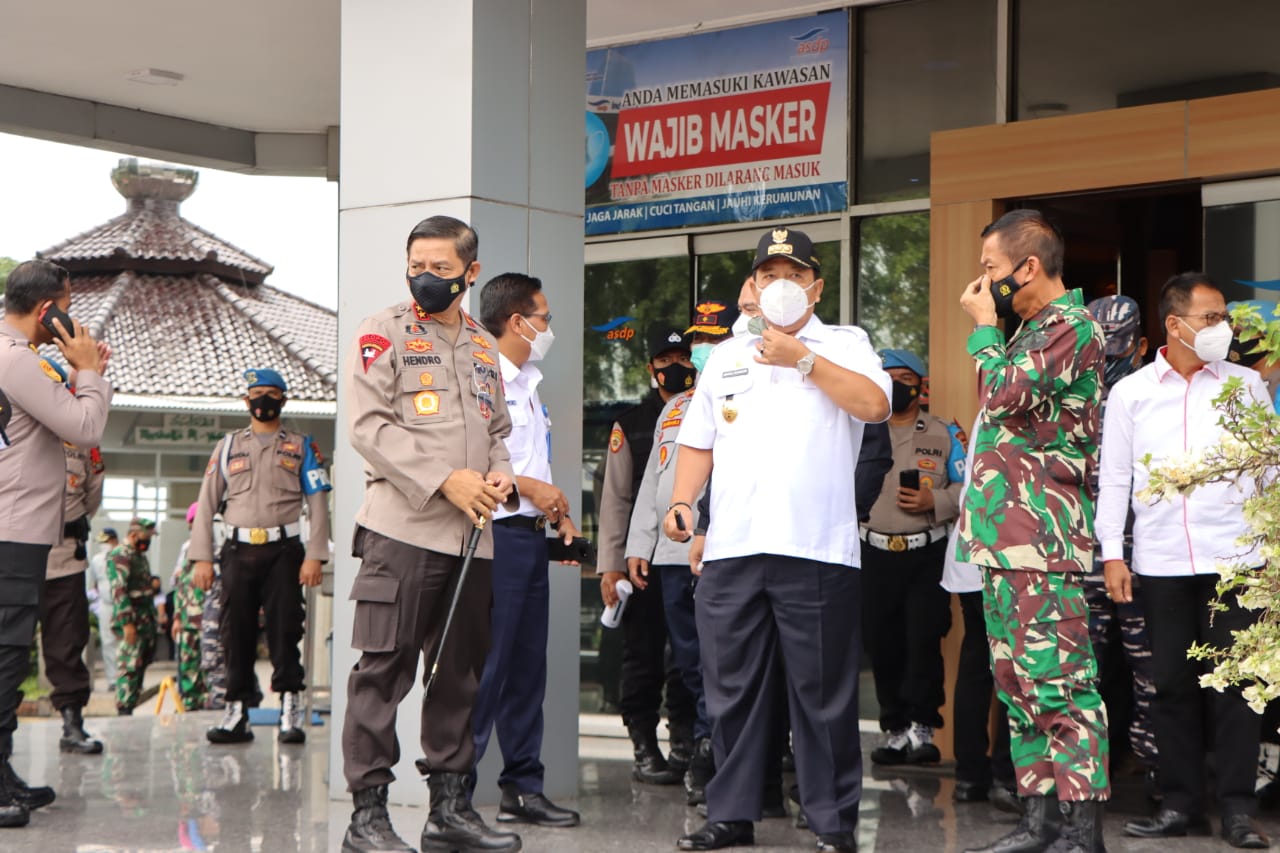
[(903, 358), (265, 376)]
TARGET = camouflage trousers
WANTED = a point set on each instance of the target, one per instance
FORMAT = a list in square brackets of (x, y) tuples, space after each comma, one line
[(1103, 613), (132, 658), (1046, 676), (213, 656), (191, 685)]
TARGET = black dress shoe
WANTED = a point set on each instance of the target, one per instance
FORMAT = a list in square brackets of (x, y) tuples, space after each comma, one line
[(1168, 823), (714, 835), (837, 842), (969, 792), (535, 809), (1240, 831), (1005, 799)]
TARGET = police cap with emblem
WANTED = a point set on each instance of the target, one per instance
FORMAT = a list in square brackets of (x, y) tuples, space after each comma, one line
[(786, 243), (713, 318), (107, 534), (265, 377), (665, 339), (903, 358)]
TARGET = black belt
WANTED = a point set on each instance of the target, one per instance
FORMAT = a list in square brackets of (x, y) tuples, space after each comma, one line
[(524, 522)]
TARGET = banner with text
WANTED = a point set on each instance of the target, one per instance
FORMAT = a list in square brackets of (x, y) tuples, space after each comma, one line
[(729, 126)]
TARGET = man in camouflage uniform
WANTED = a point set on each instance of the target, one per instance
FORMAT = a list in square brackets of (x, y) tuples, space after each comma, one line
[(1125, 347), (133, 611), (1027, 519), (188, 612)]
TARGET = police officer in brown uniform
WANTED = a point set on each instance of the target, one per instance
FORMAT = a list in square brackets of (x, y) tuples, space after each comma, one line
[(428, 415), (644, 625), (260, 477), (37, 416), (64, 607), (905, 612)]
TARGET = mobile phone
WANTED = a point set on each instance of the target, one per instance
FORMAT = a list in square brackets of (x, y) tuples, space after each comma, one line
[(52, 312), (580, 550), (909, 479)]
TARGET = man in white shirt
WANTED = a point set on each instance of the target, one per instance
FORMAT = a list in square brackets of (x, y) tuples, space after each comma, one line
[(514, 310), (781, 415), (1166, 409)]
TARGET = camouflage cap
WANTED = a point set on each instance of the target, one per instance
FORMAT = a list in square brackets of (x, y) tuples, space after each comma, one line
[(1120, 320), (144, 524)]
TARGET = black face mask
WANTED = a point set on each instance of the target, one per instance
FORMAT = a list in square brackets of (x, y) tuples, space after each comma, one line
[(1002, 291), (675, 377), (265, 408), (903, 396), (142, 546), (433, 293), (1118, 367)]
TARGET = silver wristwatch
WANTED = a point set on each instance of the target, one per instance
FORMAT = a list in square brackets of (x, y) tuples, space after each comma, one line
[(805, 364)]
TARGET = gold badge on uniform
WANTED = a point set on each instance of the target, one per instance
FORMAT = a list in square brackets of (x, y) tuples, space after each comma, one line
[(729, 411), (426, 378)]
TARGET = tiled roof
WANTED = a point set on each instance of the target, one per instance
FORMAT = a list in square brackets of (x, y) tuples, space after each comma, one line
[(186, 313), (194, 336)]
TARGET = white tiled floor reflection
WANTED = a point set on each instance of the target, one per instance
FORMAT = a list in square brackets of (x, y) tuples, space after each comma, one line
[(161, 787)]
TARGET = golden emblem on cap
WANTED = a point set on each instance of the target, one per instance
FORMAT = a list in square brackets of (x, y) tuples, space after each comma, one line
[(779, 235), (251, 377)]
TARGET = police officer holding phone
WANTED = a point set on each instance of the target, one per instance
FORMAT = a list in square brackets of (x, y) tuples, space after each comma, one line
[(905, 612), (37, 416)]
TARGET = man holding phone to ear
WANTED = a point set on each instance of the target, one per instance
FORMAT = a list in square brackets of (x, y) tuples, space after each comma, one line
[(37, 416), (905, 612)]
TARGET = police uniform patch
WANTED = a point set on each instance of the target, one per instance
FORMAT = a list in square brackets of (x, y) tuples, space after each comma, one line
[(927, 464), (961, 435), (50, 372), (371, 349), (662, 455), (426, 403), (419, 313), (483, 356), (926, 482), (921, 426), (237, 465), (73, 482), (615, 440), (95, 461), (481, 342), (291, 447), (211, 467), (415, 329), (485, 401), (673, 422), (315, 451), (425, 378), (419, 345), (289, 463)]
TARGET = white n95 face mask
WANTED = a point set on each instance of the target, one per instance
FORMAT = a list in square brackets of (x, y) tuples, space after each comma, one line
[(739, 326), (541, 343), (784, 302), (1212, 342)]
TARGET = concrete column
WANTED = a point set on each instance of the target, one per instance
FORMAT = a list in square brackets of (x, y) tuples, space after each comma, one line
[(470, 109)]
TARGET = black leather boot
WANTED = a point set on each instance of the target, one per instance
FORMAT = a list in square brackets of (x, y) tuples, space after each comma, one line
[(74, 737), (13, 789), (701, 768), (234, 727), (650, 767), (1034, 833), (682, 746), (370, 830), (453, 826), (1081, 830)]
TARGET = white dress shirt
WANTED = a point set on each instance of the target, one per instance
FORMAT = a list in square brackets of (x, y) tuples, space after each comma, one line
[(1156, 411), (784, 453), (530, 441)]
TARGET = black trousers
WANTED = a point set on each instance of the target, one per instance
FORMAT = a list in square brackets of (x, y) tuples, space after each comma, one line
[(265, 576), (905, 615), (1177, 611), (22, 568), (645, 667), (402, 594), (749, 609), (64, 617), (971, 710)]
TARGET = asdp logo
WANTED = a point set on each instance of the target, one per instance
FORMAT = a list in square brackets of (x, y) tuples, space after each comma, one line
[(812, 42)]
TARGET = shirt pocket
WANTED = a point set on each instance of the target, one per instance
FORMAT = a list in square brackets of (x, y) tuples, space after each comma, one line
[(239, 473), (286, 474), (424, 395), (732, 395), (377, 613)]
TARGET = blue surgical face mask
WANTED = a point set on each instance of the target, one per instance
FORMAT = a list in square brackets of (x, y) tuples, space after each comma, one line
[(700, 354)]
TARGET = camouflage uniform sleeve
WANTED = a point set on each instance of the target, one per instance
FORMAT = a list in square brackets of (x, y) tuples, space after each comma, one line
[(118, 577), (946, 502), (1014, 385)]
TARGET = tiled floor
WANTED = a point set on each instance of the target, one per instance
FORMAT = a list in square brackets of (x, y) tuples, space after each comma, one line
[(160, 786)]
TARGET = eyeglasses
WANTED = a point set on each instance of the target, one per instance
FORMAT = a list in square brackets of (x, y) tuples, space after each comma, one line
[(1210, 318), (546, 318)]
